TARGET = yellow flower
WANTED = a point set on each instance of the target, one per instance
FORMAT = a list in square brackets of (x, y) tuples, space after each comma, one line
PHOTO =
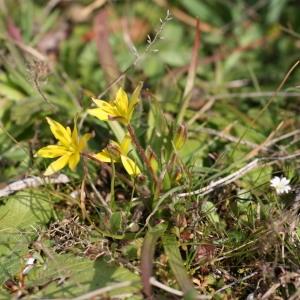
[(118, 109), (115, 152), (68, 147)]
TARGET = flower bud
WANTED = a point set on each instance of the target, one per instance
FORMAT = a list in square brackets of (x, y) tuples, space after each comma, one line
[(113, 150), (180, 136), (152, 158), (141, 179), (134, 227), (177, 175)]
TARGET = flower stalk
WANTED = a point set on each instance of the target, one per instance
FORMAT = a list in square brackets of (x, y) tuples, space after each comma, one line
[(142, 152)]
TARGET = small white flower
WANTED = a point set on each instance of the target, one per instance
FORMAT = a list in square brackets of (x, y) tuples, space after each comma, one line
[(281, 185)]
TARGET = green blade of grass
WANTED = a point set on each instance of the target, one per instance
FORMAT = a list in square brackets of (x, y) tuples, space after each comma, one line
[(175, 261), (191, 76)]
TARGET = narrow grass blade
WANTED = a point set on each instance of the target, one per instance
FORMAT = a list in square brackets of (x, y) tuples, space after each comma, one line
[(170, 244), (191, 75)]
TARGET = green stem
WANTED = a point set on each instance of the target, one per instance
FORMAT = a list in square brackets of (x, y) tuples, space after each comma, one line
[(158, 187), (142, 153)]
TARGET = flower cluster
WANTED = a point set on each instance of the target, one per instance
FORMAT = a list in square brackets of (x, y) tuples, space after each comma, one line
[(70, 145), (118, 110)]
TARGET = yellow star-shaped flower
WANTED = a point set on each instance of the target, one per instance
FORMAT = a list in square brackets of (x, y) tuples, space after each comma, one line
[(114, 152), (118, 109), (68, 147)]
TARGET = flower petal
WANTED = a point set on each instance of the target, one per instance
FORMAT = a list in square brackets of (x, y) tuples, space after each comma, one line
[(75, 132), (83, 140), (125, 144), (103, 156), (104, 110), (57, 165), (99, 113), (74, 160), (130, 166), (103, 104), (61, 133), (134, 101), (135, 96), (52, 151), (285, 181), (274, 181), (122, 103)]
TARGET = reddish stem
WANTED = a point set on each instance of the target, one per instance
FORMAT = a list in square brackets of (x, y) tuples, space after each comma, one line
[(142, 152)]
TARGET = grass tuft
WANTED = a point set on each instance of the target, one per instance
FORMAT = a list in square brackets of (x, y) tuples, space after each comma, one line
[(173, 149)]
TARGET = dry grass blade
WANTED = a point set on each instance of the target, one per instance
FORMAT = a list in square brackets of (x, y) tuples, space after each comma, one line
[(226, 180), (32, 182), (262, 145)]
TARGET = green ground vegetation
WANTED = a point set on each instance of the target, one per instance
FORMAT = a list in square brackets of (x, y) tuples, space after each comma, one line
[(162, 189)]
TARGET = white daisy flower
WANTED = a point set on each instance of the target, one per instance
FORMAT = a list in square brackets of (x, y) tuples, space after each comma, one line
[(281, 185)]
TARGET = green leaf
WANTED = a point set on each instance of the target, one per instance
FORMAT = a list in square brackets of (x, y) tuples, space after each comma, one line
[(210, 210), (26, 209), (84, 276), (70, 276), (21, 218), (9, 91), (130, 251), (170, 244), (23, 111), (115, 222)]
